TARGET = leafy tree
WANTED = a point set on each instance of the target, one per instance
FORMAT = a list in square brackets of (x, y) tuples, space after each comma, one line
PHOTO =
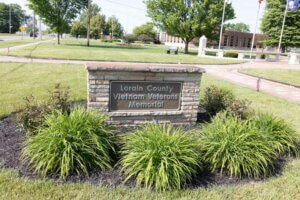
[(188, 19), (241, 27), (272, 24), (78, 29), (58, 14), (98, 25), (113, 26), (146, 30), (17, 17)]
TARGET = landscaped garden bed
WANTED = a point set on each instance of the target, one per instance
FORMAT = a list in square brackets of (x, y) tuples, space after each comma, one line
[(284, 185), (237, 146)]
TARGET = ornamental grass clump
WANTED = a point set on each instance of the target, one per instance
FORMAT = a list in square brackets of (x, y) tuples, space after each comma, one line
[(236, 147), (159, 157), (279, 133), (71, 143)]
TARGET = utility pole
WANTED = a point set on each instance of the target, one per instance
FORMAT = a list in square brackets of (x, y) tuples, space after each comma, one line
[(40, 27), (33, 31), (88, 22), (9, 18), (112, 29)]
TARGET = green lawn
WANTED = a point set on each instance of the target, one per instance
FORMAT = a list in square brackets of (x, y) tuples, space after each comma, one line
[(11, 43), (290, 76), (20, 80), (99, 51)]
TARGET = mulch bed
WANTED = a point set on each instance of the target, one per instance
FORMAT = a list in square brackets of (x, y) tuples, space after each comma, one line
[(12, 137)]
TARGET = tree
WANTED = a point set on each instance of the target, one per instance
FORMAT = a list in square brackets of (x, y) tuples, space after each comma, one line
[(241, 27), (146, 30), (272, 24), (98, 25), (114, 27), (17, 17), (78, 29), (188, 19), (58, 14)]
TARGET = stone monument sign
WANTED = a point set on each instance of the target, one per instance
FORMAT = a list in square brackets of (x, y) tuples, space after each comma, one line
[(133, 94)]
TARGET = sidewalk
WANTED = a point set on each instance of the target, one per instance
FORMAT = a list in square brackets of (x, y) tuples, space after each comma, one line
[(228, 73), (289, 93), (24, 45)]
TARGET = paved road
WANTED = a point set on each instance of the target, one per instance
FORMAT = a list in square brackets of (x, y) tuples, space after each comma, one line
[(228, 73), (14, 37)]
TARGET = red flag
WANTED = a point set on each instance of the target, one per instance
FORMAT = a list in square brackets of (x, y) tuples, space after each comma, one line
[(260, 1)]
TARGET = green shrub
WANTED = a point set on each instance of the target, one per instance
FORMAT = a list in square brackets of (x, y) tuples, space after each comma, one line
[(241, 109), (106, 41), (236, 147), (231, 54), (216, 99), (33, 115), (71, 143), (145, 39), (130, 38), (280, 134), (159, 156), (210, 53)]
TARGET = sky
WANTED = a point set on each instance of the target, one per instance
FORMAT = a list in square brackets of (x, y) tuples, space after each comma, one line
[(132, 13)]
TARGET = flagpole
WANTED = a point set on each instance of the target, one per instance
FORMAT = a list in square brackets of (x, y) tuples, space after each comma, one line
[(254, 34), (283, 24), (222, 25)]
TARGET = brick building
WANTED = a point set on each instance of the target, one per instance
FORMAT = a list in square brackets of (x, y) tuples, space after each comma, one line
[(235, 39), (230, 39)]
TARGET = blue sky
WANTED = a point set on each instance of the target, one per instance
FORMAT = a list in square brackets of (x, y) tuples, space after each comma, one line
[(132, 13)]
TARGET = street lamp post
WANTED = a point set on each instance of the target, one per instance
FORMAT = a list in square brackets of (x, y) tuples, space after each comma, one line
[(9, 18)]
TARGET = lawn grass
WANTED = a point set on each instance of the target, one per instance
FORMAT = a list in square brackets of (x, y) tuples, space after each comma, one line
[(11, 43), (19, 80), (99, 51), (289, 76)]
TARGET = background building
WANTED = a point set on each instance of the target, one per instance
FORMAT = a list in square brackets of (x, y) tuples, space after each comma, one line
[(230, 40), (241, 40)]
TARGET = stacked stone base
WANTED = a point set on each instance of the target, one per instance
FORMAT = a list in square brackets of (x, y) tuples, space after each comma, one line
[(100, 76)]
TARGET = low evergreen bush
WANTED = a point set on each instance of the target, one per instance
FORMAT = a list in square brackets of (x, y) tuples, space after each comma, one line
[(231, 54), (216, 99), (71, 143), (279, 133), (159, 156), (129, 38), (236, 147)]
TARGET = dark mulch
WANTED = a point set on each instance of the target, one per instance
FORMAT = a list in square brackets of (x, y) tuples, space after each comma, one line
[(12, 137)]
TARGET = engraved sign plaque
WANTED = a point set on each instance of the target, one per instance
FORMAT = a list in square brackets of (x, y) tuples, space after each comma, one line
[(145, 95)]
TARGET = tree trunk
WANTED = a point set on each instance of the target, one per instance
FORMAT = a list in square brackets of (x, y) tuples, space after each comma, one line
[(186, 47), (58, 38)]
